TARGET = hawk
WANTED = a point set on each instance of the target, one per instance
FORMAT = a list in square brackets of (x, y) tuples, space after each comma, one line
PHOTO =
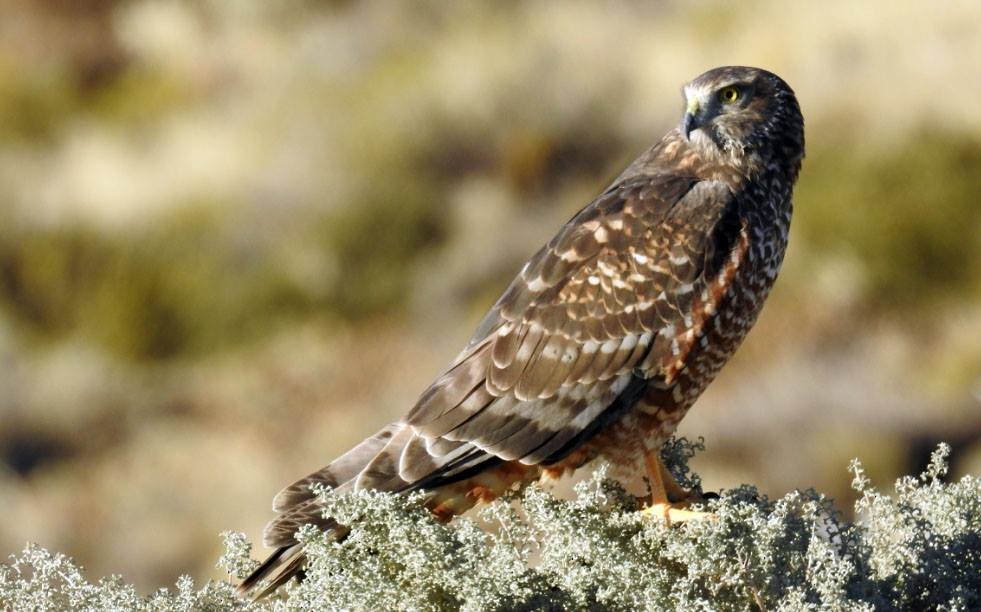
[(607, 335)]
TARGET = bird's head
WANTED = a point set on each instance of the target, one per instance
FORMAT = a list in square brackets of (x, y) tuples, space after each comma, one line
[(747, 115)]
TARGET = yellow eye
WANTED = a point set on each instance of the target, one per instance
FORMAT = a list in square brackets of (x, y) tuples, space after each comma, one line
[(729, 95)]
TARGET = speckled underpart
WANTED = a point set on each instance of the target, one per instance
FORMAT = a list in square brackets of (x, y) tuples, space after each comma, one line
[(610, 332)]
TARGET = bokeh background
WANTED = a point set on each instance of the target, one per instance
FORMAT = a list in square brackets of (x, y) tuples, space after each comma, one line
[(236, 236)]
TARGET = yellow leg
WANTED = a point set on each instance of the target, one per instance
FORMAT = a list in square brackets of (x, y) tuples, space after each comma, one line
[(675, 492), (668, 499)]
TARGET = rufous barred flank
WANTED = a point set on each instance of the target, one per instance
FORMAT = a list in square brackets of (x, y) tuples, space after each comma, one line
[(608, 334)]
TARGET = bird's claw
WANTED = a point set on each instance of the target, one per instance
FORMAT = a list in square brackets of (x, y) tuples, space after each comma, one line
[(677, 512)]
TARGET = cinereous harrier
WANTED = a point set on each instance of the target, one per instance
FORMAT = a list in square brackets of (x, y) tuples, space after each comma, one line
[(608, 334)]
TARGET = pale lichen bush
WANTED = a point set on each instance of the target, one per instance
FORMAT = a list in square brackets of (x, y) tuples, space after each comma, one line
[(918, 549)]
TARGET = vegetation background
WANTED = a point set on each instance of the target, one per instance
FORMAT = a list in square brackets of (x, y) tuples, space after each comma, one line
[(237, 236)]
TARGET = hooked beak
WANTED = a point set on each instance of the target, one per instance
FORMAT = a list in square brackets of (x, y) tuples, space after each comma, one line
[(690, 121), (688, 124)]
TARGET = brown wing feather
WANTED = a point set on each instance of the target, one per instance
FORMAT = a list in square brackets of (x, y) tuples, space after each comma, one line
[(340, 470), (552, 356), (628, 269), (588, 295)]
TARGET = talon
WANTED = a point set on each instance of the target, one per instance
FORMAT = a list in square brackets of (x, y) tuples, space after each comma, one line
[(676, 513), (669, 500)]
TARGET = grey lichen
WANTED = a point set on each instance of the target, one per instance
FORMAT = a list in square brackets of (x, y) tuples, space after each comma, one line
[(919, 548)]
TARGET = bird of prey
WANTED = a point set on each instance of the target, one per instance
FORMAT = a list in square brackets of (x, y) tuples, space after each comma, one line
[(607, 335)]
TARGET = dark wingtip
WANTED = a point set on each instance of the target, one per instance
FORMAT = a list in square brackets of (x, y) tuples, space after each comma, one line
[(273, 569), (295, 494)]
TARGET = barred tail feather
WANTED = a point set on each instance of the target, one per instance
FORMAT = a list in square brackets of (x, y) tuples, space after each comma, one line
[(396, 459), (274, 572), (341, 470)]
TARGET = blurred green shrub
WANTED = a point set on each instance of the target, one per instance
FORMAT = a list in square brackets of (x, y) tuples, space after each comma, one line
[(376, 240), (190, 284), (917, 550), (34, 104), (175, 288), (910, 215)]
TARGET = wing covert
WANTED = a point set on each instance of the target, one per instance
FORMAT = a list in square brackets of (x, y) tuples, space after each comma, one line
[(613, 289)]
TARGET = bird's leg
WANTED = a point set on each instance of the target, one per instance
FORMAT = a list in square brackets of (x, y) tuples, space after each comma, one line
[(674, 491), (669, 500)]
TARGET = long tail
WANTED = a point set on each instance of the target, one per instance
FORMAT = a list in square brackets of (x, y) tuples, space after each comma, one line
[(297, 505), (274, 572), (396, 460)]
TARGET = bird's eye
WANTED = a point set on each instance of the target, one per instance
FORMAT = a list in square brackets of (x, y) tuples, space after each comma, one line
[(729, 95)]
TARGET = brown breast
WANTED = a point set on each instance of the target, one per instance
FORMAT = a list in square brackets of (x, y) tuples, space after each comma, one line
[(721, 317)]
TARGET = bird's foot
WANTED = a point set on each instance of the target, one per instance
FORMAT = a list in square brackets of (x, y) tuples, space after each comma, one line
[(676, 512), (669, 500)]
